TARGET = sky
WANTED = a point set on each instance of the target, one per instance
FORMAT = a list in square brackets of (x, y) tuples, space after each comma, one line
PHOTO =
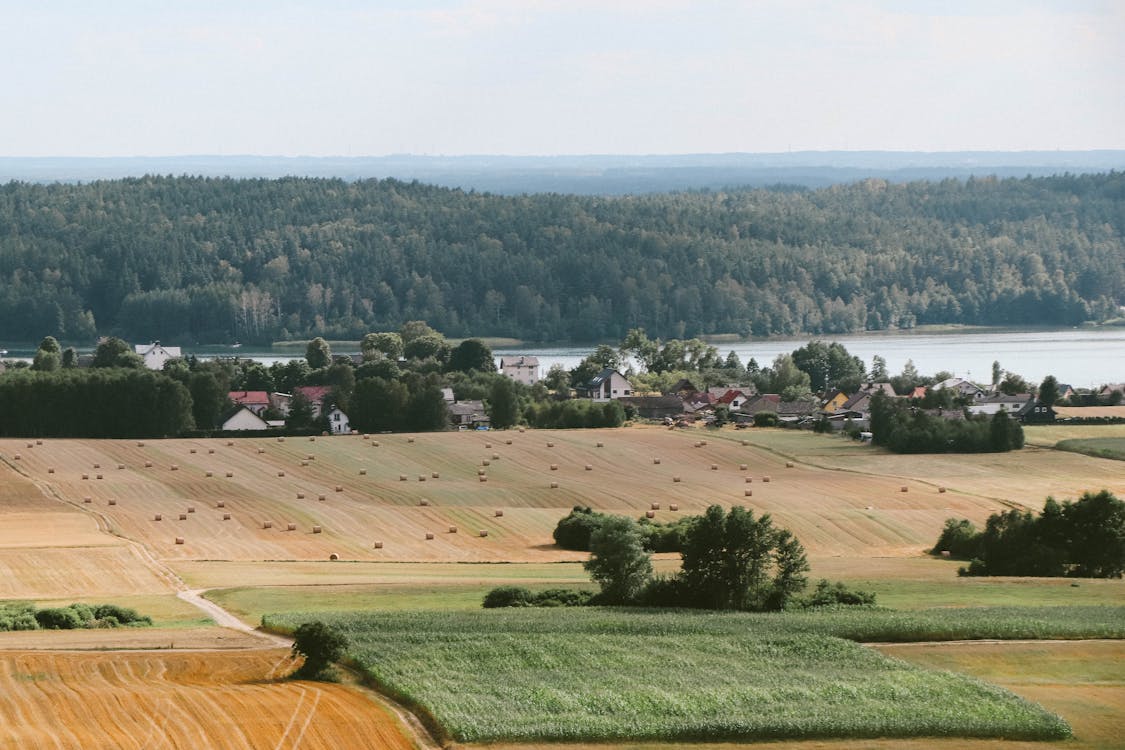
[(543, 77)]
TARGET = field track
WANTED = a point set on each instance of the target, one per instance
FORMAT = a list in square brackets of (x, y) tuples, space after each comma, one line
[(839, 498), (195, 701)]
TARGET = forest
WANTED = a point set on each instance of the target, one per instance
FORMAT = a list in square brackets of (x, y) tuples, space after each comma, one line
[(212, 260)]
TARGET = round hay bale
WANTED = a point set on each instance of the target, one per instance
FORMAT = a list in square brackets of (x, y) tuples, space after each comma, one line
[(697, 444), (120, 467), (654, 506), (50, 469), (521, 430), (941, 490), (363, 472), (554, 485), (221, 504), (589, 467), (378, 545), (423, 503), (281, 473), (312, 439), (322, 498), (183, 516), (179, 540), (673, 506), (317, 529), (366, 436), (99, 476), (300, 496), (87, 499), (374, 443), (175, 467), (402, 477), (281, 440), (210, 451), (230, 443), (290, 527), (483, 478), (601, 444), (339, 488), (192, 450), (766, 479), (550, 445), (702, 443), (148, 464), (310, 457), (650, 514), (39, 442), (140, 444), (96, 466), (675, 479), (421, 477), (748, 493), (84, 476), (452, 529), (498, 513), (744, 442), (208, 473), (191, 509), (435, 475), (488, 445), (304, 463), (261, 451), (714, 467), (226, 516), (30, 445), (410, 440), (112, 501), (429, 536), (333, 557), (230, 475), (742, 467), (483, 533), (869, 507), (508, 441), (18, 457), (554, 467), (267, 524), (480, 472), (485, 462), (656, 461), (749, 480), (495, 456), (788, 464), (904, 488), (158, 517), (945, 553)]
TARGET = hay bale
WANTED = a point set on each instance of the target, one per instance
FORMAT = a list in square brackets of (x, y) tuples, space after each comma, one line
[(339, 488), (744, 442), (300, 496), (120, 467), (221, 504), (378, 545), (941, 490), (366, 436), (281, 440), (158, 517), (192, 450), (140, 444), (429, 536), (84, 476), (742, 467), (39, 442), (410, 440), (480, 472), (904, 488), (702, 443), (50, 470), (191, 509), (945, 553), (423, 503), (374, 443), (749, 480), (281, 473), (17, 457), (498, 513), (290, 527), (210, 451), (656, 461), (208, 473), (312, 439), (435, 475), (675, 479), (322, 498), (554, 467), (748, 493), (175, 467), (363, 472), (589, 467), (452, 529), (483, 533), (96, 466), (495, 456), (869, 507), (179, 540), (402, 477), (601, 444), (483, 478), (650, 514), (697, 444), (310, 457), (148, 464), (183, 516), (333, 557), (550, 445), (485, 462), (654, 506), (230, 443), (261, 451), (317, 529), (304, 463), (226, 516), (87, 499), (488, 445), (112, 501), (508, 441), (714, 467), (766, 479), (30, 445), (521, 430), (788, 464), (99, 476), (421, 477), (267, 524), (230, 475), (673, 506), (554, 485)]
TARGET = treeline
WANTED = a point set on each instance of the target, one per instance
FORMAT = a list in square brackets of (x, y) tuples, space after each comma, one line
[(905, 428), (1085, 539), (193, 259)]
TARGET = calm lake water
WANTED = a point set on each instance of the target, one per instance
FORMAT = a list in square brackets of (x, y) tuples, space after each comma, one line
[(1082, 357)]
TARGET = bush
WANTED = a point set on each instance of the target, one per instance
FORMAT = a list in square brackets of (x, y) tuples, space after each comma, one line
[(765, 419), (662, 591), (574, 530), (122, 615), (507, 596), (320, 644), (58, 618), (959, 538), (828, 595)]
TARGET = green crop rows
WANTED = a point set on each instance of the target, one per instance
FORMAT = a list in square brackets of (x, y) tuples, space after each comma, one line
[(590, 674)]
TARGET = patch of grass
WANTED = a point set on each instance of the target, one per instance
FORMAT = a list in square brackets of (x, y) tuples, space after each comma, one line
[(1048, 435), (1105, 447), (605, 674)]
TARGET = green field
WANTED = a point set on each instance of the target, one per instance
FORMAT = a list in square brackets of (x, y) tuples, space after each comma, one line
[(603, 674), (1106, 447)]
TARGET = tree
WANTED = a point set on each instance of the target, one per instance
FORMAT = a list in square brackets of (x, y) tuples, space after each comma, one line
[(1013, 384), (1049, 391), (503, 406), (300, 413), (413, 329), (113, 352), (385, 344), (997, 372), (426, 346), (558, 380), (618, 561), (1096, 524), (878, 369), (829, 364), (69, 358), (999, 434), (791, 565), (321, 645), (208, 399), (318, 354), (47, 357), (470, 355)]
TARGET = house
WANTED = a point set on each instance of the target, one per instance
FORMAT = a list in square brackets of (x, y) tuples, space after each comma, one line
[(885, 388), (466, 415), (255, 401), (761, 402), (797, 411), (279, 402), (654, 407), (1108, 390), (682, 387), (338, 422), (521, 369), (315, 395), (1066, 390), (607, 385), (835, 401), (242, 418), (155, 355), (961, 386), (447, 395), (1036, 412), (919, 392), (732, 397), (1012, 404), (697, 401)]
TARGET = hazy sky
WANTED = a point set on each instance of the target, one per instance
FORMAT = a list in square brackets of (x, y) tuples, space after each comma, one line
[(344, 77)]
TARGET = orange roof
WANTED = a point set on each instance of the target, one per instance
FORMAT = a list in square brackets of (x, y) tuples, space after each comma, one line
[(249, 397)]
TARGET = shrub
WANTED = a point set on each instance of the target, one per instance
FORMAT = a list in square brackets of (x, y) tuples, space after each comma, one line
[(507, 596), (123, 615), (574, 530), (959, 538), (58, 618), (765, 419), (320, 644), (827, 595)]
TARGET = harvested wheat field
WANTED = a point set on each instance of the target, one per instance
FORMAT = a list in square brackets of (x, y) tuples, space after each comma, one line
[(261, 499), (196, 701)]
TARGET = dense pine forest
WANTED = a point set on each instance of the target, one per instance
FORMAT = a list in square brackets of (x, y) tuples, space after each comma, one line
[(217, 260)]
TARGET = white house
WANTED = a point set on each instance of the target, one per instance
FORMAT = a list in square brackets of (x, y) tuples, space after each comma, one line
[(244, 419), (521, 369), (608, 385), (156, 355), (338, 422), (961, 386)]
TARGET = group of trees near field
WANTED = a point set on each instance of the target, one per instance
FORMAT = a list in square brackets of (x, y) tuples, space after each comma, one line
[(195, 259), (1084, 538), (904, 428)]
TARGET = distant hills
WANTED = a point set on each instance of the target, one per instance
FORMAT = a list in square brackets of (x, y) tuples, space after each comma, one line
[(587, 175)]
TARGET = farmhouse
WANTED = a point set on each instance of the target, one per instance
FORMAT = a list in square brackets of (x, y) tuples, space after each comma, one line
[(468, 415), (1013, 404), (961, 387), (338, 422), (315, 395), (255, 401), (155, 355), (243, 418), (1109, 389), (521, 369), (607, 385), (1036, 412)]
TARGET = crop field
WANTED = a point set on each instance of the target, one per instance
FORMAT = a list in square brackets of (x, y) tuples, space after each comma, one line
[(598, 674), (195, 701), (1049, 434), (1105, 447)]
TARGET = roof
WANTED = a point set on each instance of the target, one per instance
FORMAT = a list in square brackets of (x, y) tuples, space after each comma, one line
[(249, 397), (314, 393), (520, 361), (603, 376), (232, 413), (918, 392), (885, 388), (962, 385), (467, 407), (683, 384), (143, 349), (762, 402)]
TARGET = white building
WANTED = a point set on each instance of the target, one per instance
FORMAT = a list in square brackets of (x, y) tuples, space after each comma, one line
[(156, 355), (521, 369), (338, 422), (244, 419), (608, 385)]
